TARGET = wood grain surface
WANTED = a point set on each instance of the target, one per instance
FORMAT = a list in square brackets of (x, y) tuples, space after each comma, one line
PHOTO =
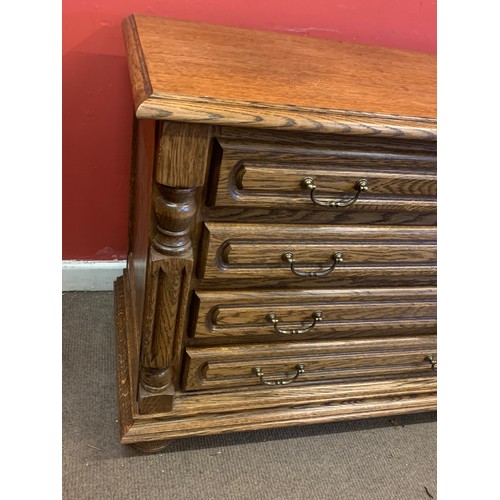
[(233, 366), (395, 214), (126, 370), (347, 408), (175, 210), (230, 121), (162, 326), (193, 72), (314, 142), (269, 173), (205, 412), (140, 218), (242, 315), (206, 402), (183, 154), (236, 251)]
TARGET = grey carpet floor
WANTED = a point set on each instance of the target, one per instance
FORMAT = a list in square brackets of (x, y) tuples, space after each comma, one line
[(372, 459)]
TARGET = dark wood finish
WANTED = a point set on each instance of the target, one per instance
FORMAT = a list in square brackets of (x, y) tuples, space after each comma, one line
[(287, 216), (232, 366), (126, 372), (140, 224), (175, 210), (275, 184), (207, 402), (289, 140), (269, 174), (174, 79), (205, 412), (363, 312), (170, 265), (164, 322), (348, 408), (255, 251), (221, 146)]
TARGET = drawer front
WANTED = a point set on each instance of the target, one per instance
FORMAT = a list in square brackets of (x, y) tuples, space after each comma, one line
[(272, 176), (308, 314), (285, 363), (250, 251)]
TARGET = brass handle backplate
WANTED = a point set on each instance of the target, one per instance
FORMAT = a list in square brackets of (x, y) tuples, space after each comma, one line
[(273, 318), (257, 370), (288, 257), (432, 361), (308, 183)]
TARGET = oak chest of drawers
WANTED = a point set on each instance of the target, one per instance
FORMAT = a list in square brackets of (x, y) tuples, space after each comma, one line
[(282, 242)]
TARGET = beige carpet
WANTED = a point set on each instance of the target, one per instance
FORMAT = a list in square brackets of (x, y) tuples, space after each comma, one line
[(375, 459)]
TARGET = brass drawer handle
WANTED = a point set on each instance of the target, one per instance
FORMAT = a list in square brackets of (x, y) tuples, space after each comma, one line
[(432, 361), (308, 183), (273, 318), (288, 257), (257, 370)]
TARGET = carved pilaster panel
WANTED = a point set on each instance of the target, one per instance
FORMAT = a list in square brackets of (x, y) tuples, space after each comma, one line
[(164, 323), (168, 278), (181, 160)]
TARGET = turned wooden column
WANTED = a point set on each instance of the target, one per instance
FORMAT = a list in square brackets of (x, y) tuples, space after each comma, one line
[(181, 162)]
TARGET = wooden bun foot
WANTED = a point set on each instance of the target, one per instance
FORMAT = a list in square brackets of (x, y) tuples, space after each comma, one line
[(151, 446)]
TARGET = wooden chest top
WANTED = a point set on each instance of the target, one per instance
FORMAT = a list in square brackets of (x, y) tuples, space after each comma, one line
[(192, 72)]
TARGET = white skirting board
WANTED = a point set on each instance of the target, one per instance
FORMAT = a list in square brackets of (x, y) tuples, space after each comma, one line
[(90, 275)]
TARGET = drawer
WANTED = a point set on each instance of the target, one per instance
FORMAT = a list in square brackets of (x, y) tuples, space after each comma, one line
[(257, 251), (279, 315), (298, 362), (272, 176)]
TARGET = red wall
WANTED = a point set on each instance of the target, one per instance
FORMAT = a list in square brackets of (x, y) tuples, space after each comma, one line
[(97, 102)]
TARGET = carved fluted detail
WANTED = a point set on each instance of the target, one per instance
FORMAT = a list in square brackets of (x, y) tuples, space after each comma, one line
[(164, 320), (169, 272)]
